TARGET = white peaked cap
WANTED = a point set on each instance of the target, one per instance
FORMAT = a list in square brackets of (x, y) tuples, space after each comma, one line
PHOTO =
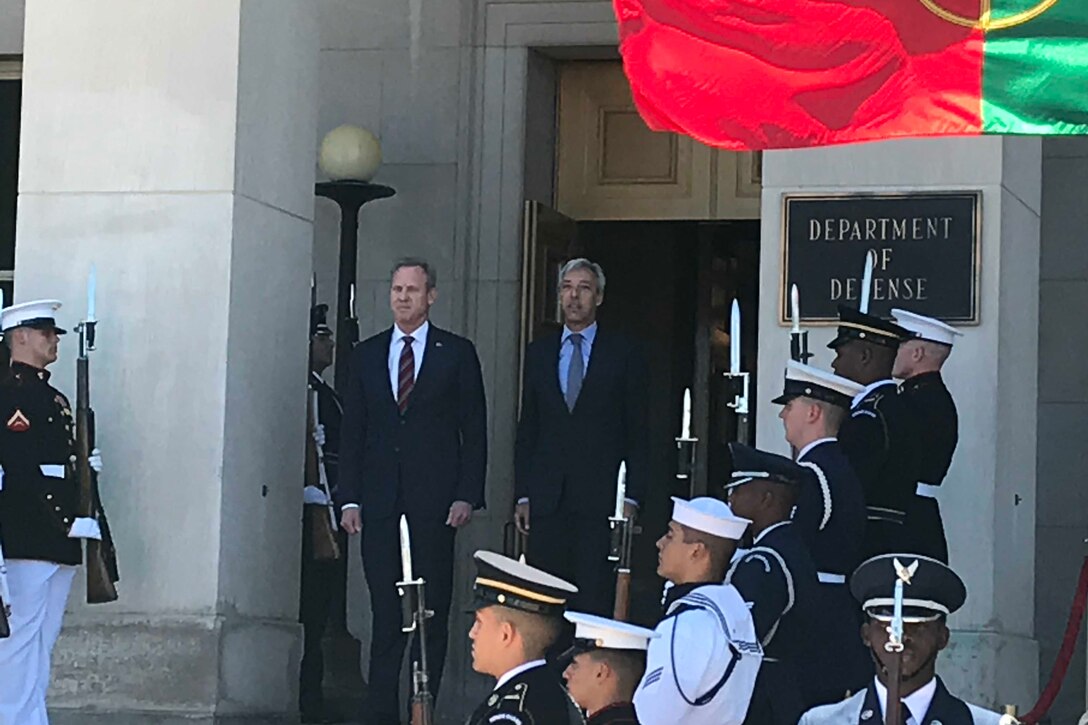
[(709, 515), (926, 328), (608, 633), (24, 312), (800, 373)]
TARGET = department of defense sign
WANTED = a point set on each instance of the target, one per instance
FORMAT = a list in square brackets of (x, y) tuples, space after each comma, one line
[(926, 246)]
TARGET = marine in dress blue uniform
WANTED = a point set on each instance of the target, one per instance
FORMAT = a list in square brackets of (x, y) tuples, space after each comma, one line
[(778, 581), (607, 662), (934, 592), (519, 613), (932, 424), (830, 515), (39, 496), (872, 436), (702, 667)]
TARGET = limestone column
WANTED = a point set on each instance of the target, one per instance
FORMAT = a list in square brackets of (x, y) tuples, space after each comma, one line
[(171, 144), (988, 500)]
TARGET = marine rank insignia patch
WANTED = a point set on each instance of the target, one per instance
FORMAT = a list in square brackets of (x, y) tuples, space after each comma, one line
[(18, 422)]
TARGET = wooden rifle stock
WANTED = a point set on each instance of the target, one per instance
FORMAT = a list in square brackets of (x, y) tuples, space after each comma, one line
[(422, 703), (102, 576), (323, 537), (893, 712), (623, 595), (5, 625)]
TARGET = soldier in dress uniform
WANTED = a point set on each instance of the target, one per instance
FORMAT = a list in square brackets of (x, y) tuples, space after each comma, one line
[(519, 615), (702, 667), (39, 496), (865, 349), (934, 592), (831, 514), (931, 421), (322, 579), (778, 581), (607, 662)]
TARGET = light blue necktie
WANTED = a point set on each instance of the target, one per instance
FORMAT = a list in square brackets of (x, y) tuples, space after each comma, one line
[(576, 372)]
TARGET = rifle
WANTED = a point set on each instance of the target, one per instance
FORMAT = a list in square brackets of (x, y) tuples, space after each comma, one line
[(619, 551), (5, 598), (894, 645), (102, 574), (414, 616), (738, 381), (322, 518)]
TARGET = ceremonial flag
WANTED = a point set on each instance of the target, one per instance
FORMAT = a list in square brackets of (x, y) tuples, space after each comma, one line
[(762, 74)]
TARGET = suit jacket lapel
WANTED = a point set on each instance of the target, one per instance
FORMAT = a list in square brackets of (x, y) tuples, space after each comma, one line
[(551, 352), (433, 357)]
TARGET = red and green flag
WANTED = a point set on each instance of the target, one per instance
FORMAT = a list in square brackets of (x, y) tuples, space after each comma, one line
[(762, 74)]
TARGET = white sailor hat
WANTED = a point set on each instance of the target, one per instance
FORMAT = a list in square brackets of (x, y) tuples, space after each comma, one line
[(709, 515), (39, 314), (593, 632), (805, 380), (509, 583), (925, 328)]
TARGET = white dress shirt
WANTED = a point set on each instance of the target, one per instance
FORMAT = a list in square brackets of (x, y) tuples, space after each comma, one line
[(517, 671), (419, 344), (917, 703)]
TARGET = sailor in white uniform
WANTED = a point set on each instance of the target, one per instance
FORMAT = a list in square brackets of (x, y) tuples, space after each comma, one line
[(702, 667), (934, 592)]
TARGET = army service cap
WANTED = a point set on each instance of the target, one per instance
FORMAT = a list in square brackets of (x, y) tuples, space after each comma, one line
[(751, 464), (592, 632), (806, 381), (857, 325), (39, 314), (506, 582), (710, 516), (921, 327), (931, 589)]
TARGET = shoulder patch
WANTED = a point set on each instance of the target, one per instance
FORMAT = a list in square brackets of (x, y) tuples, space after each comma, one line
[(18, 422), (861, 412), (506, 717)]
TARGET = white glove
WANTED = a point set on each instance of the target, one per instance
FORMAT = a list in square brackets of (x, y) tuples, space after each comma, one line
[(85, 528), (95, 460), (319, 435), (314, 495), (1, 478)]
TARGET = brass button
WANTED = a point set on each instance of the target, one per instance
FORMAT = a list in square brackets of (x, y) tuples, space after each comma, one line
[(56, 508), (48, 497), (72, 458), (49, 419)]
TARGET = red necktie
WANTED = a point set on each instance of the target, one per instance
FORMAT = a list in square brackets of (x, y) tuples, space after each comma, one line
[(406, 373)]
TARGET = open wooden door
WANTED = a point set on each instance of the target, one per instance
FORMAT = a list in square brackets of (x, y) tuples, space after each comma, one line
[(549, 239)]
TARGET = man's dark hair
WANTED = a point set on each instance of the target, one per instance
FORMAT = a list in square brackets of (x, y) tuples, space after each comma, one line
[(428, 271), (718, 548), (537, 631), (629, 666)]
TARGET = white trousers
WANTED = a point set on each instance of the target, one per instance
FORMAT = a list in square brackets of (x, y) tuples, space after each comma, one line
[(39, 594)]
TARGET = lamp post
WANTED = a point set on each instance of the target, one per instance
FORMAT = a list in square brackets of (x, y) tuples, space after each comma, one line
[(349, 156)]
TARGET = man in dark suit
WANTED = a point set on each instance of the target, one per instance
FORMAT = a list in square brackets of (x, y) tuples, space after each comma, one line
[(583, 412), (414, 442)]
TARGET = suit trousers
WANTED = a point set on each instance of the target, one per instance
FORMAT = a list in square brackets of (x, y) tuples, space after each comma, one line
[(926, 528), (575, 548), (39, 594), (432, 558)]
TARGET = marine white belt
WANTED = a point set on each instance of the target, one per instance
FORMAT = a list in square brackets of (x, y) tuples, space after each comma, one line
[(52, 470), (826, 577), (926, 490)]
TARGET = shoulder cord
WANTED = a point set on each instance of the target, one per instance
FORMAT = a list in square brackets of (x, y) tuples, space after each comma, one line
[(825, 489)]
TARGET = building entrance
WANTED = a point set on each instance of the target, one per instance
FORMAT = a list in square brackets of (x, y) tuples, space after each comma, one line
[(670, 285)]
